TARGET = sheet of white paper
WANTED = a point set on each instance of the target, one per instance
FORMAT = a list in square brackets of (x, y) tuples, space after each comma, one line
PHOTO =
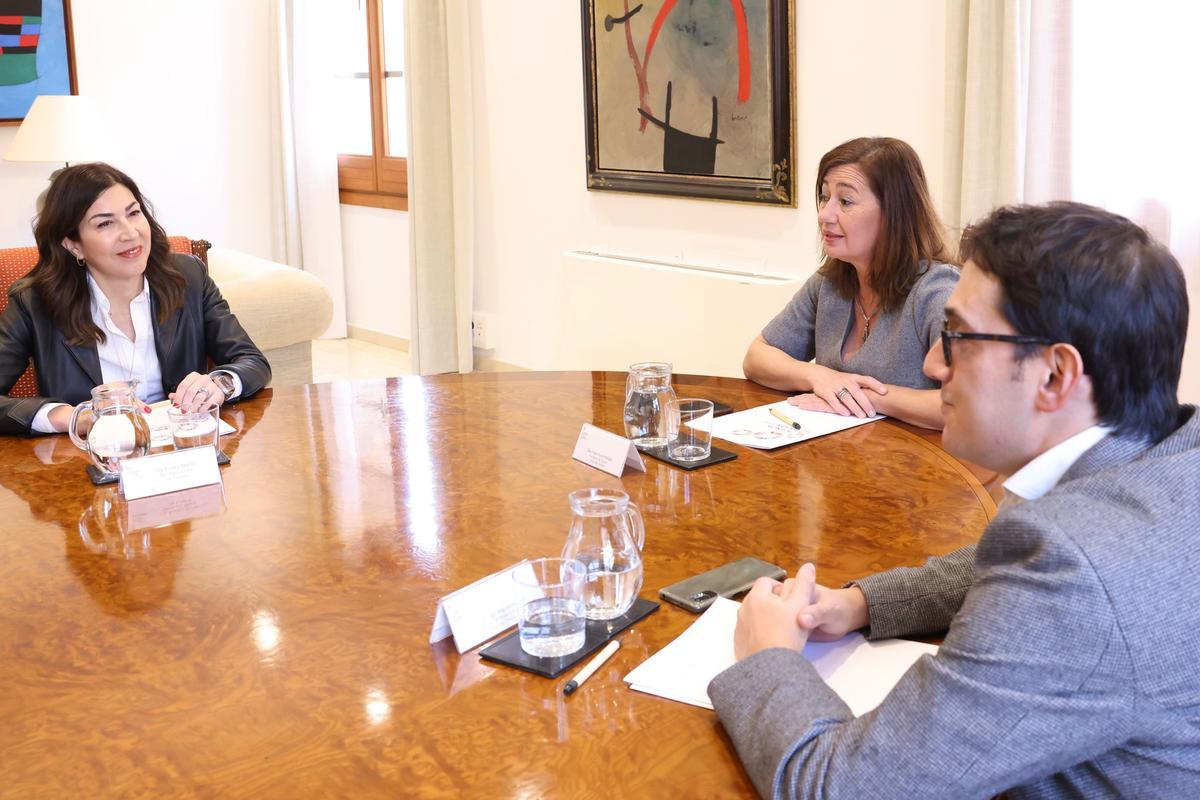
[(160, 428), (476, 613), (861, 672), (681, 670), (756, 427), (873, 669)]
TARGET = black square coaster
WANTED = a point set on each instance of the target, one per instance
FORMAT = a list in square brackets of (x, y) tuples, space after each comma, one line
[(715, 457), (508, 650)]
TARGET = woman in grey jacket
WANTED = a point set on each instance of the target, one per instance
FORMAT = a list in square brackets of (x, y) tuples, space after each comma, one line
[(855, 336)]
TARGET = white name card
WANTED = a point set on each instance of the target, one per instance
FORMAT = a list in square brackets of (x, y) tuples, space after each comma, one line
[(169, 472), (476, 613), (606, 451)]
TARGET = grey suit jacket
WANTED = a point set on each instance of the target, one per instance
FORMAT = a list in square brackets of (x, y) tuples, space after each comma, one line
[(1071, 667)]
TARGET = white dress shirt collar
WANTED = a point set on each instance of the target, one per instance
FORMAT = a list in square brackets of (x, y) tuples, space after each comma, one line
[(100, 299), (1043, 473), (120, 358)]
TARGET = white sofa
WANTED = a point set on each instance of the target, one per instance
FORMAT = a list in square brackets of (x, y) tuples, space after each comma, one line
[(282, 308)]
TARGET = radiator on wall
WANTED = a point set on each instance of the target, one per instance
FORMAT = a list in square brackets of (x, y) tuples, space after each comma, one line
[(617, 310)]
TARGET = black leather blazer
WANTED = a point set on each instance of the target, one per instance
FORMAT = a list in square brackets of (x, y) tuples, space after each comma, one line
[(204, 327)]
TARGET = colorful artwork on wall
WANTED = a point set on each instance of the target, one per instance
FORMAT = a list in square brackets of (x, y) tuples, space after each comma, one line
[(690, 97), (35, 54)]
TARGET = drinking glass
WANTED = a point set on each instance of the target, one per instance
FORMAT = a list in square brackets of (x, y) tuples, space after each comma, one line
[(192, 428), (551, 619), (692, 441)]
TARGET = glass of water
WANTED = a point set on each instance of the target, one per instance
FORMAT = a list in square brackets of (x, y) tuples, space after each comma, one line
[(692, 441), (193, 428), (550, 620), (649, 404)]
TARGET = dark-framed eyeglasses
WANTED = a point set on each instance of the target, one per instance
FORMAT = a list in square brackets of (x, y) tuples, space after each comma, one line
[(949, 335)]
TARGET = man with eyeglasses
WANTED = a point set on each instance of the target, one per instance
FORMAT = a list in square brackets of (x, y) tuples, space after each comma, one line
[(1070, 661)]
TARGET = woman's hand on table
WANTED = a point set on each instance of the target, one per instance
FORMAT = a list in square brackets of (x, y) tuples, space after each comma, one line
[(197, 392), (842, 393)]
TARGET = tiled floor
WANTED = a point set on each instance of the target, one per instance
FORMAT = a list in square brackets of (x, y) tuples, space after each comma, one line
[(354, 359)]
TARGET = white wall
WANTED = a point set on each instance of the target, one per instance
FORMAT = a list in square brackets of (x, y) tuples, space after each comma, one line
[(187, 86), (375, 251), (533, 203)]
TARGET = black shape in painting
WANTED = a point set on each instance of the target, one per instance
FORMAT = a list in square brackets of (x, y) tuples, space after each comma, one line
[(686, 153), (610, 20)]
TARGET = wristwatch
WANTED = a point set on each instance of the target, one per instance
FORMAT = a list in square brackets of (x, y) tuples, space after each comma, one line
[(224, 383)]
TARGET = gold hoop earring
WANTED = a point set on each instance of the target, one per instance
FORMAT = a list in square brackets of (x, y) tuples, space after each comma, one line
[(79, 260)]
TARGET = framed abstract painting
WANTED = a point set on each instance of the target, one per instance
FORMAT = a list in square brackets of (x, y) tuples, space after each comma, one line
[(36, 54), (690, 98)]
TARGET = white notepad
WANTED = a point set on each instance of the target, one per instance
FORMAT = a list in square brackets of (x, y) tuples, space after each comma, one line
[(756, 427), (861, 672)]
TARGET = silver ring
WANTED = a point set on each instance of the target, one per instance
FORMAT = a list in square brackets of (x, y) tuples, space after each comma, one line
[(203, 389), (841, 392)]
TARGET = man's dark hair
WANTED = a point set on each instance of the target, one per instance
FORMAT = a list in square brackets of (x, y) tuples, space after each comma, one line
[(1078, 274)]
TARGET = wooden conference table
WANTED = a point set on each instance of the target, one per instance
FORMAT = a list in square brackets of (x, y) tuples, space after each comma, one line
[(278, 647)]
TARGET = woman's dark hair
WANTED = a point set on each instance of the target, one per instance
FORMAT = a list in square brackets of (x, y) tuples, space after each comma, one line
[(1078, 274), (909, 233), (61, 282)]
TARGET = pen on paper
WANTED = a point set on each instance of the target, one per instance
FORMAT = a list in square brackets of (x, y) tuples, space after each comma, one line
[(591, 667), (779, 415)]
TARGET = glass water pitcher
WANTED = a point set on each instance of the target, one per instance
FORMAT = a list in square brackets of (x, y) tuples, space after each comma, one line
[(607, 535), (650, 410), (119, 429)]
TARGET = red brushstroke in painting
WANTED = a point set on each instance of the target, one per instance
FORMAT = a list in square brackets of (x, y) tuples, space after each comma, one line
[(743, 44), (639, 69), (657, 26), (743, 39)]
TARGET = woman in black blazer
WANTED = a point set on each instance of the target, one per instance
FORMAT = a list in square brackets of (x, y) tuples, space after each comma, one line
[(108, 301)]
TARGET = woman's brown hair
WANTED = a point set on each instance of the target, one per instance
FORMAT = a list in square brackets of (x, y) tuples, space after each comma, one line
[(61, 282), (909, 233)]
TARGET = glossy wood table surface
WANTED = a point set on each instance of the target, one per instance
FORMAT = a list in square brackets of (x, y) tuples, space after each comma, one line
[(279, 646)]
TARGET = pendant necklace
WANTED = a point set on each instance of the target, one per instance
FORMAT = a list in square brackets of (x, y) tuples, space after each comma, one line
[(132, 350), (866, 318)]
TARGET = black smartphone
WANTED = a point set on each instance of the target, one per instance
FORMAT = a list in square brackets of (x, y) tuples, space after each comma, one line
[(720, 409), (699, 591)]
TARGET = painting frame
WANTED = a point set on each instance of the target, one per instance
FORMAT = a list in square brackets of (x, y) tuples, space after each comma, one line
[(57, 47), (775, 188)]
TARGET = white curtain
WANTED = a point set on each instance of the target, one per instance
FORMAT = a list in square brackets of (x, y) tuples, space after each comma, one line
[(1137, 130), (1008, 98), (440, 184), (306, 210), (1090, 101), (1137, 151)]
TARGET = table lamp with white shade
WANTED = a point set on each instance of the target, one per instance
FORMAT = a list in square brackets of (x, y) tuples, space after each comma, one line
[(62, 128), (65, 128)]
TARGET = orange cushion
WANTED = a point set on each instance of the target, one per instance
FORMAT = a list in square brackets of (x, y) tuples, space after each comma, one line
[(15, 262)]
